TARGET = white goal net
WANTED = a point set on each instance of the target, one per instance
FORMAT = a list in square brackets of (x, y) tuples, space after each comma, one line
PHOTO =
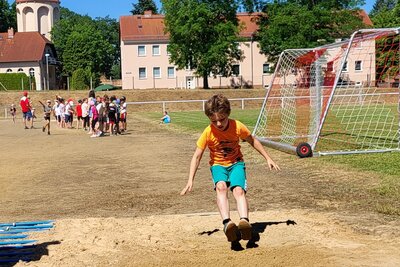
[(335, 99)]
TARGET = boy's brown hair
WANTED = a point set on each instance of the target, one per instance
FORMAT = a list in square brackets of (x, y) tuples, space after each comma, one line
[(217, 104)]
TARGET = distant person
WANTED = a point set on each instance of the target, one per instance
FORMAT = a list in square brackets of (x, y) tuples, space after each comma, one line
[(78, 110), (47, 109), (13, 112), (124, 113), (26, 110), (92, 94), (228, 171), (85, 114), (166, 118)]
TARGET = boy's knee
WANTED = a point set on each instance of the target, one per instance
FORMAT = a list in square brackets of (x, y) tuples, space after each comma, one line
[(238, 191), (221, 187)]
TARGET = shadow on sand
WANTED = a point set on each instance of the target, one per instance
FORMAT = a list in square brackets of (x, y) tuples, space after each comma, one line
[(257, 228), (9, 256)]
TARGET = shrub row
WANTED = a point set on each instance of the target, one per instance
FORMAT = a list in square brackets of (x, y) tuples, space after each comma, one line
[(15, 81)]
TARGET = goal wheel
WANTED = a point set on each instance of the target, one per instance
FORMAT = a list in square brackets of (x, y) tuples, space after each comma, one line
[(304, 150)]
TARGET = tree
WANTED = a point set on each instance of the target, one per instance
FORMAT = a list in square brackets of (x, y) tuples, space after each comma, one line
[(82, 42), (252, 5), (385, 17), (8, 16), (329, 4), (387, 59), (80, 79), (203, 35), (293, 25), (142, 6), (382, 5)]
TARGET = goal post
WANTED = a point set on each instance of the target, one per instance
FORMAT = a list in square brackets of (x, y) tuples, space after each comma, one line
[(335, 99)]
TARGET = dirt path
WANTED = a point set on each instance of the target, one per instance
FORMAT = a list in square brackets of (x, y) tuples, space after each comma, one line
[(115, 201)]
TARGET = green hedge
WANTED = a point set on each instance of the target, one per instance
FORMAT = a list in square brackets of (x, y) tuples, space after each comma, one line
[(80, 79), (14, 81)]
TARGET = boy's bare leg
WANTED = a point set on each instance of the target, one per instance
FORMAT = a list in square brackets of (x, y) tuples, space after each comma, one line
[(244, 226), (230, 227), (222, 200), (241, 202)]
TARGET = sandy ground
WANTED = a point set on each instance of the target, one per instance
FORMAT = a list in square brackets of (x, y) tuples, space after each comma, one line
[(115, 202)]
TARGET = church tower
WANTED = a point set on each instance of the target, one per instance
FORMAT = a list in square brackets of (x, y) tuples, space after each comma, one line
[(37, 16)]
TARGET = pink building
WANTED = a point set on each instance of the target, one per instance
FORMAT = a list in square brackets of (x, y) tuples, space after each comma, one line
[(145, 61)]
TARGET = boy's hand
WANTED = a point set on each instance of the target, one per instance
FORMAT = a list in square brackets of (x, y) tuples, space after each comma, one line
[(188, 188), (272, 165)]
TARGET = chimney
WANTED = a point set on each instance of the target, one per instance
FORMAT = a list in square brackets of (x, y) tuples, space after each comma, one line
[(148, 13), (10, 33)]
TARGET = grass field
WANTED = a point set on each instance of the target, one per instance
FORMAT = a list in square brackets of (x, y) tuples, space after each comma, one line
[(387, 165)]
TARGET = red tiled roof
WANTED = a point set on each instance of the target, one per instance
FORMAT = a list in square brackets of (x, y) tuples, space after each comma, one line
[(151, 28), (249, 22), (365, 18), (142, 28), (24, 47)]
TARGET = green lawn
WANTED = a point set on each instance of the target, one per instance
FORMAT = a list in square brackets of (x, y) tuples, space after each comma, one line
[(196, 121)]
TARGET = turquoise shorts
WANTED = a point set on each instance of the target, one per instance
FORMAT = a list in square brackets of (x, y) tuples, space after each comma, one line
[(234, 175)]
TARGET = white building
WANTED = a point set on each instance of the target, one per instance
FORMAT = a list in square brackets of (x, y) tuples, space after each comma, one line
[(30, 50)]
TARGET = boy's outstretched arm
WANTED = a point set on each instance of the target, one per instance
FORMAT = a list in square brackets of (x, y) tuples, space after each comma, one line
[(260, 148), (194, 164)]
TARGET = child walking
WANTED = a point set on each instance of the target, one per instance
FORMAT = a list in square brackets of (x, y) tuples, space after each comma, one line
[(13, 112), (47, 109), (228, 170)]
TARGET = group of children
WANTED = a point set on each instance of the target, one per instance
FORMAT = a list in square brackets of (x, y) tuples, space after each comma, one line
[(97, 115)]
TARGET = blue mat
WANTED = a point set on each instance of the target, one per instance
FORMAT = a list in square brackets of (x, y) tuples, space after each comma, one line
[(15, 246)]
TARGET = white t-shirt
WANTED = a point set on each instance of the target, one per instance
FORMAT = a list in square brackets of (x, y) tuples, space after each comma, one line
[(66, 110), (123, 108), (62, 109), (85, 109), (56, 109)]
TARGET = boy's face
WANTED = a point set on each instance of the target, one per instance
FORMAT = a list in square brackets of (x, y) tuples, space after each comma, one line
[(219, 120)]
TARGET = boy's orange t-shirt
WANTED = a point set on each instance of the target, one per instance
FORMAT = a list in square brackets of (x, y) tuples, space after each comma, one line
[(224, 145)]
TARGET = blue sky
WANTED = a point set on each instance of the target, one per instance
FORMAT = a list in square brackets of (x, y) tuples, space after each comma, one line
[(117, 8)]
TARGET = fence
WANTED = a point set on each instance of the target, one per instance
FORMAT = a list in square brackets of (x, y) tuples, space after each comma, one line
[(185, 105), (169, 105)]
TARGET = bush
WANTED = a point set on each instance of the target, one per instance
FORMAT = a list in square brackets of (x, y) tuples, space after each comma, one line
[(80, 80), (15, 81)]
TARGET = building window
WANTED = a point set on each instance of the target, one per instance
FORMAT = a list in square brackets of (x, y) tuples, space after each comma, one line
[(9, 70), (20, 70), (156, 50), (156, 72), (345, 67), (171, 72), (236, 70), (141, 51), (142, 73), (358, 65), (266, 68)]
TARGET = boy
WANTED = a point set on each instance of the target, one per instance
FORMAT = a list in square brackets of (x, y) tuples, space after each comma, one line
[(222, 137), (165, 118), (47, 109)]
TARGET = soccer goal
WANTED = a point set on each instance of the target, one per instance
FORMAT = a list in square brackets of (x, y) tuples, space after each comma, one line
[(339, 98)]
